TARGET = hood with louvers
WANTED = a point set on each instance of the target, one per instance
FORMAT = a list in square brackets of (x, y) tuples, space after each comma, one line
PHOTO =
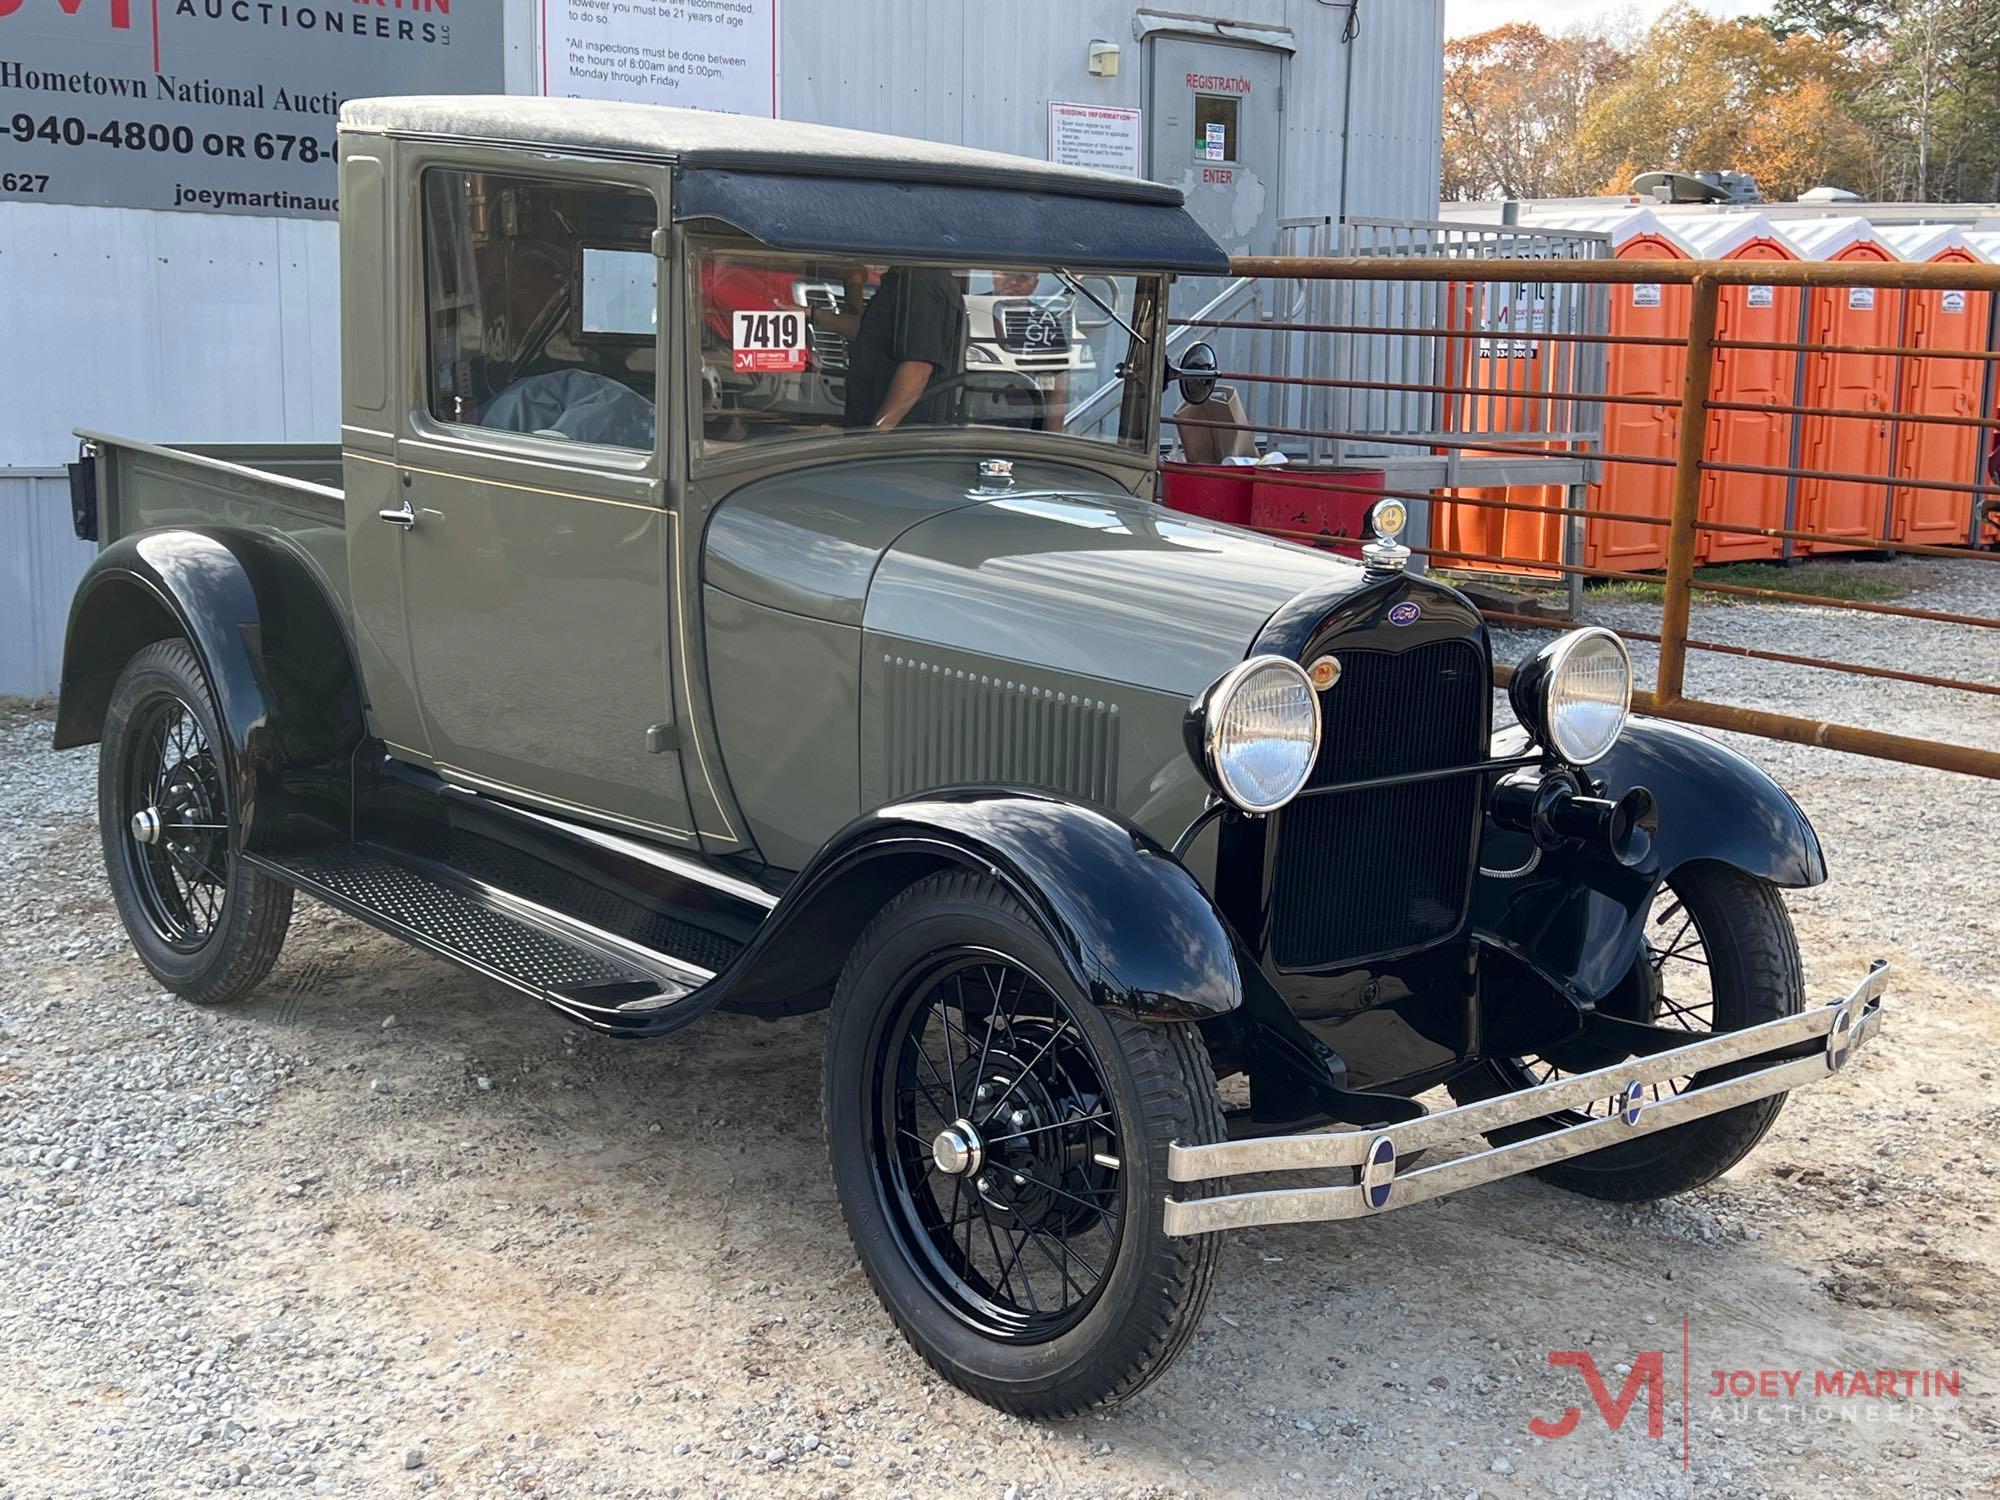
[(1092, 586)]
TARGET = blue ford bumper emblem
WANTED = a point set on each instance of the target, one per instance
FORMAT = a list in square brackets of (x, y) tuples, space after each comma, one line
[(1378, 1175), (1633, 1099)]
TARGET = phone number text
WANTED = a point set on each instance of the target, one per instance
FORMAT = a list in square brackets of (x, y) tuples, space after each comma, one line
[(174, 140)]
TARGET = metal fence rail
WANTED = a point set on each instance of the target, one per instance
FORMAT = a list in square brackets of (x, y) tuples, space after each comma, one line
[(1382, 386), (1328, 406)]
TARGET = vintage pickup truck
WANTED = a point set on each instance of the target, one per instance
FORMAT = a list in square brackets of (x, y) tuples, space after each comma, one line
[(660, 638)]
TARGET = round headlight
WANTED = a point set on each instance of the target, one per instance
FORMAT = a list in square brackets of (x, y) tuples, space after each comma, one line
[(1575, 693), (1260, 732)]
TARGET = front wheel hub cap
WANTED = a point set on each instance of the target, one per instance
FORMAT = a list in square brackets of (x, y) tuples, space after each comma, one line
[(958, 1151), (146, 825)]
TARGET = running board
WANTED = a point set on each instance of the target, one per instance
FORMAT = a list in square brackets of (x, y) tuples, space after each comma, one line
[(595, 977)]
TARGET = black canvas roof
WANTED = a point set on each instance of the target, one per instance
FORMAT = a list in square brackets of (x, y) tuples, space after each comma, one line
[(819, 188)]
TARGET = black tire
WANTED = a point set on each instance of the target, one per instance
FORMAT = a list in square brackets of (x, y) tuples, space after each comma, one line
[(205, 923), (1750, 957), (1124, 1318)]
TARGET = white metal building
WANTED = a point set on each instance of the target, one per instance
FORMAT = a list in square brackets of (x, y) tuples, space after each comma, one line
[(223, 326)]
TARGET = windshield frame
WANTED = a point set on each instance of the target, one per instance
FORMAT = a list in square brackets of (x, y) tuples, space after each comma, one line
[(1140, 454)]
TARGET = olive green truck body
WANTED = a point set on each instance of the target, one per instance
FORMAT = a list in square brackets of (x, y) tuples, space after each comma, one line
[(722, 549)]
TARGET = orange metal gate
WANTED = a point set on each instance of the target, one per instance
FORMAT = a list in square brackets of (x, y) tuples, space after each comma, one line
[(1836, 335)]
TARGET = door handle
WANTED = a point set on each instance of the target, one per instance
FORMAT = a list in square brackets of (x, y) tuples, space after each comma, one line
[(402, 516)]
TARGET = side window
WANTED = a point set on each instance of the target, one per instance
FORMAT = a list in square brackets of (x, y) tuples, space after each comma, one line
[(540, 308)]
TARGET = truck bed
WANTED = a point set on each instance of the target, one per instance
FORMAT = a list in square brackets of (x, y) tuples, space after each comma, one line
[(290, 488)]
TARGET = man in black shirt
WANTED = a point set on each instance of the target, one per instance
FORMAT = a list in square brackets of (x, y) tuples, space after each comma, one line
[(908, 340)]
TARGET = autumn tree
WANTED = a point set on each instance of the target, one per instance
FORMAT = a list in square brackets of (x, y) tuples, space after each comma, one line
[(1707, 93), (1936, 100), (1832, 20), (1514, 99), (1889, 98)]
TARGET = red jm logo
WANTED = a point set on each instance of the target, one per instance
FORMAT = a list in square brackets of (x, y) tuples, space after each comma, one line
[(1648, 1372), (121, 10)]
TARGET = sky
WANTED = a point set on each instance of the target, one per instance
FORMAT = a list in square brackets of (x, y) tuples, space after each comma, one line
[(1465, 16)]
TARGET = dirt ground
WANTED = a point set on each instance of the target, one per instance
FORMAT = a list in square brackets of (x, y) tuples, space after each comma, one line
[(385, 1229)]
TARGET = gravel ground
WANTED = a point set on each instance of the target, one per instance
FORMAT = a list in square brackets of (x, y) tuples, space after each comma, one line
[(383, 1230)]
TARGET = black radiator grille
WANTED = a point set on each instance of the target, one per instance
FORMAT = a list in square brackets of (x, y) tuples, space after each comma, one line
[(1364, 873)]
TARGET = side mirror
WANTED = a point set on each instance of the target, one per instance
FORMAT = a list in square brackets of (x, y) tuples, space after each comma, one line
[(1197, 374)]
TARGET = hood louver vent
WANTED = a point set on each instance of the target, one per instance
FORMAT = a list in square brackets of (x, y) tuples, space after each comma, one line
[(950, 727)]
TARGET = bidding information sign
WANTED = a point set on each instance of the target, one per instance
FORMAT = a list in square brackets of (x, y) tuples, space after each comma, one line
[(1104, 136), (219, 106)]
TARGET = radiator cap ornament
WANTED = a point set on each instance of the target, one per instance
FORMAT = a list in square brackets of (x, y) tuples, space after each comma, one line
[(1383, 553)]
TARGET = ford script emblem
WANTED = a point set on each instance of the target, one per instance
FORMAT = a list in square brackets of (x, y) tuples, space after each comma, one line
[(1378, 1175), (1406, 613)]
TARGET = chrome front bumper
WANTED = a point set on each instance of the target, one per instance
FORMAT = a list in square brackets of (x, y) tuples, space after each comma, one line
[(1838, 1030)]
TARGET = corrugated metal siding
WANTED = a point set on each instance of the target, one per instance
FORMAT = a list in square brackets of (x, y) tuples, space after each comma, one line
[(184, 327), (980, 74), (40, 562), (180, 327), (1395, 146)]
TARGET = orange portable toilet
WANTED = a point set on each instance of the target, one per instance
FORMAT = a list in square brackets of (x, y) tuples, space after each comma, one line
[(1938, 451), (1861, 383), (1515, 367), (1643, 429), (1758, 378)]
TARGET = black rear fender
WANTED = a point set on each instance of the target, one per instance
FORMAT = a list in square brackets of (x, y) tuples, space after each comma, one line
[(269, 639), (1579, 919), (1136, 930)]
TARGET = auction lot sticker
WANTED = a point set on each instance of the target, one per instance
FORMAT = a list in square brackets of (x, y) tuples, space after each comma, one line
[(765, 341), (219, 106)]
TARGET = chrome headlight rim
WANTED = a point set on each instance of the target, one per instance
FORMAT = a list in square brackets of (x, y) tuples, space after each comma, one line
[(1213, 707), (1535, 682)]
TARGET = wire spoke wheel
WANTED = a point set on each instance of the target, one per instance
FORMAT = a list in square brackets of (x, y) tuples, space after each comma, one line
[(1673, 988), (206, 922), (999, 1143), (996, 1148), (175, 826)]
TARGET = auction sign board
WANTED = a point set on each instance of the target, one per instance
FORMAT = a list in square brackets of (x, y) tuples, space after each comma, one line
[(222, 106), (696, 54)]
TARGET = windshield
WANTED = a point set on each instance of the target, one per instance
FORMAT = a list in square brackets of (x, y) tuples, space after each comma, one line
[(794, 345)]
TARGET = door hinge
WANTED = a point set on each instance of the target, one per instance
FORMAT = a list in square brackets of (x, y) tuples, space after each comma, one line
[(661, 738), (663, 241)]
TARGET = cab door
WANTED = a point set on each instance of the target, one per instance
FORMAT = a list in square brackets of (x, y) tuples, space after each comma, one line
[(537, 539)]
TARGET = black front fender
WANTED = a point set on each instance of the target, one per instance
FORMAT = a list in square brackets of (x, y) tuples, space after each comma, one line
[(266, 631), (1579, 919), (1136, 930)]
